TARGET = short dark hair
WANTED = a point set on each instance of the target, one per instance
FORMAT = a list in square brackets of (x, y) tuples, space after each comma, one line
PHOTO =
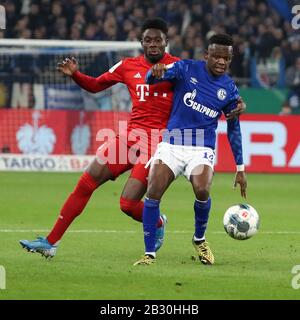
[(223, 39), (155, 23)]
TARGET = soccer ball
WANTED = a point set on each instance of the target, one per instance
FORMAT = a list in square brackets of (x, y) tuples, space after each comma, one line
[(241, 221)]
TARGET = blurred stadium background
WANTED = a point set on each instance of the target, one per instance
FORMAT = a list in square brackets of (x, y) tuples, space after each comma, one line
[(49, 124), (266, 68)]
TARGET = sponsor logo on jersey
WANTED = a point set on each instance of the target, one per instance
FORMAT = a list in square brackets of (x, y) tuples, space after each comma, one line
[(188, 100), (221, 94), (143, 91)]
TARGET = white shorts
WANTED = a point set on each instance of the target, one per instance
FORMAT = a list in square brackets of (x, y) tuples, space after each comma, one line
[(183, 159)]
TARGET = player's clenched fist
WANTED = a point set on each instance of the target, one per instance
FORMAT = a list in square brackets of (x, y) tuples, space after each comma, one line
[(158, 70)]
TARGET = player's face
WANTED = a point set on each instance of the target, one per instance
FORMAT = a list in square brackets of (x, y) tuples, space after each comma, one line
[(154, 43), (218, 58)]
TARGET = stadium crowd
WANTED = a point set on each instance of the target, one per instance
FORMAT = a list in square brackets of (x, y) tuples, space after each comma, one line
[(258, 29)]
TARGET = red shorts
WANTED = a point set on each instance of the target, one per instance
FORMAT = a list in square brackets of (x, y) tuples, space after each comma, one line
[(121, 156)]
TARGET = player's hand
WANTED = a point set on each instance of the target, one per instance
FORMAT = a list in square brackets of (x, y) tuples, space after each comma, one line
[(158, 70), (68, 66), (240, 108), (240, 178)]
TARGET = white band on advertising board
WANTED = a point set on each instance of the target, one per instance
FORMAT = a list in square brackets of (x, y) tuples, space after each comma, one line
[(46, 163)]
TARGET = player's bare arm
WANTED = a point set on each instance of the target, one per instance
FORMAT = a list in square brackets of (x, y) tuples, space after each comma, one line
[(240, 178), (68, 66), (158, 70), (240, 108)]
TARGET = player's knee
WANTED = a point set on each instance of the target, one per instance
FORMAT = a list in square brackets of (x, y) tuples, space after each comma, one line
[(202, 193), (154, 194), (154, 191), (99, 172)]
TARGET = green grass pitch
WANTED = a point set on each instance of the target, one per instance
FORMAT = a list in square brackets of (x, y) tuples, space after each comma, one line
[(94, 259)]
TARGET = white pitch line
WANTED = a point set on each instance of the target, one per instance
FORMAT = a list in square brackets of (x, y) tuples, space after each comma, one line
[(131, 231)]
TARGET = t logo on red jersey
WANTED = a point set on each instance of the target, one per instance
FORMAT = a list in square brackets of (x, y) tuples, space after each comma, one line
[(142, 91)]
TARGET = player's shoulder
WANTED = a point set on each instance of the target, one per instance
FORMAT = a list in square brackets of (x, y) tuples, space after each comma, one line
[(229, 82), (168, 58), (128, 63), (130, 60), (190, 63), (187, 65)]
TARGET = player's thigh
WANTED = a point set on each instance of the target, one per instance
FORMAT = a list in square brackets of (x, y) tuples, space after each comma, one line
[(136, 185), (172, 156), (160, 177), (201, 178), (111, 159)]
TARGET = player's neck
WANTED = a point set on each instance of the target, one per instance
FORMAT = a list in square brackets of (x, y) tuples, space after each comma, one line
[(153, 62)]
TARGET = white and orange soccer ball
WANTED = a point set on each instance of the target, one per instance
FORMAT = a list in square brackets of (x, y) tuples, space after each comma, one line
[(241, 221)]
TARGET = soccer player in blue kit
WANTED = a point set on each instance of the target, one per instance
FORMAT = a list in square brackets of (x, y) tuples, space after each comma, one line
[(202, 91)]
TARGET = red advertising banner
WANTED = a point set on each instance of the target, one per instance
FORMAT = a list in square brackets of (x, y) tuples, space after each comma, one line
[(271, 143), (54, 131)]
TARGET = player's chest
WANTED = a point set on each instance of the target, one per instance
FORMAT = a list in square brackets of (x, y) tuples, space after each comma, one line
[(206, 93), (135, 81)]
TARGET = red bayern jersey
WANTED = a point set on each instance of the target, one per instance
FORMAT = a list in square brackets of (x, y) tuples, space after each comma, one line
[(151, 104)]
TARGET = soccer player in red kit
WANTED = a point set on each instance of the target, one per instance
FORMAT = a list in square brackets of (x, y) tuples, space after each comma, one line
[(151, 107), (150, 110)]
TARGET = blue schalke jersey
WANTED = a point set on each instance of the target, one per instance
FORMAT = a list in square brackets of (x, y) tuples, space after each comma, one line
[(198, 102)]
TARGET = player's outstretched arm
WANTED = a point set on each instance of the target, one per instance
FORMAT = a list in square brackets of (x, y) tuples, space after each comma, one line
[(240, 108), (240, 178), (163, 72), (68, 66)]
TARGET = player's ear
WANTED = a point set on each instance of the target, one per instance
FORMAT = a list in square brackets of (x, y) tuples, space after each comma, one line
[(206, 55)]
